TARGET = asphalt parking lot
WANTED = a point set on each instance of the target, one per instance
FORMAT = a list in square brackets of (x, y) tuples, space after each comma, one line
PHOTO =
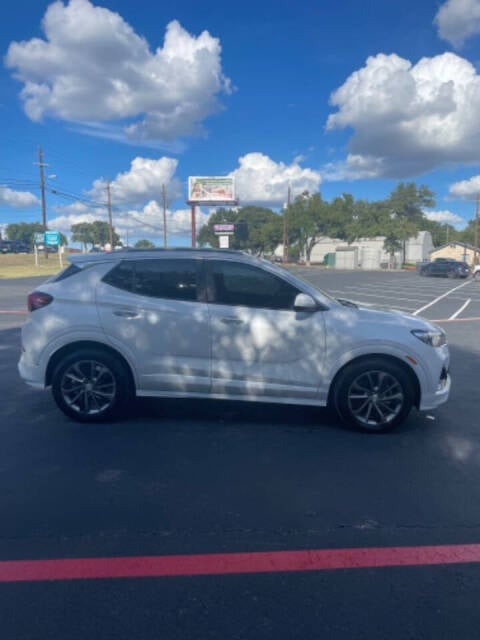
[(209, 478)]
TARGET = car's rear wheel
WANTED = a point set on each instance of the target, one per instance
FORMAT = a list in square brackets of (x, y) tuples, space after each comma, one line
[(423, 272), (374, 394), (91, 385)]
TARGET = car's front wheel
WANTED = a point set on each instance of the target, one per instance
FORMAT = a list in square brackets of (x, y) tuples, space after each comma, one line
[(374, 394), (91, 385)]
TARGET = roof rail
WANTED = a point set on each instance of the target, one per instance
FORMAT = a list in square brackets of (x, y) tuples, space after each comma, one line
[(162, 250)]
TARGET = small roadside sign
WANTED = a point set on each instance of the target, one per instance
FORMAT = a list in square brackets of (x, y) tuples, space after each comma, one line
[(224, 229), (52, 238), (39, 238)]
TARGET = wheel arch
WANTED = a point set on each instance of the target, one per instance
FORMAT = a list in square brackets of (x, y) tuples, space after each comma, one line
[(64, 351), (382, 356)]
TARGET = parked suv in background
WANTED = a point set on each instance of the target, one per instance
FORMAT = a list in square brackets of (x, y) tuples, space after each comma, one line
[(14, 246), (221, 324), (446, 269)]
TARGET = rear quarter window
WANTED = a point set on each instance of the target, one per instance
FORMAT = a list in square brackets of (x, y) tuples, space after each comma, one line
[(68, 272)]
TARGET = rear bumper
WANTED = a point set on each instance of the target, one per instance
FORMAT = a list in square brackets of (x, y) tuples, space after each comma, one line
[(30, 373)]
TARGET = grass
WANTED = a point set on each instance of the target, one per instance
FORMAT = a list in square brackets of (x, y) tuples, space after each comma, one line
[(22, 265)]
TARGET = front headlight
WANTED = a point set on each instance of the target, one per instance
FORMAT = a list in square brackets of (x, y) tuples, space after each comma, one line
[(433, 337)]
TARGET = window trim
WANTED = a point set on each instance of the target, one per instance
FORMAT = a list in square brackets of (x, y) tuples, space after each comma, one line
[(210, 289), (200, 276)]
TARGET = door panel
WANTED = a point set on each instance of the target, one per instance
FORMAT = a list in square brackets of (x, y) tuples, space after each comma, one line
[(169, 338), (262, 351)]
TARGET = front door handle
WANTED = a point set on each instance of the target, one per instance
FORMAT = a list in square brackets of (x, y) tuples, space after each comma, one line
[(126, 313), (231, 320)]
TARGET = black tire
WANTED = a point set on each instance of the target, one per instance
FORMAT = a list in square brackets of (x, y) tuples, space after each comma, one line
[(382, 372), (423, 272), (102, 381)]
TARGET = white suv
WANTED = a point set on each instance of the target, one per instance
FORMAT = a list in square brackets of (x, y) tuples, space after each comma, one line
[(221, 324)]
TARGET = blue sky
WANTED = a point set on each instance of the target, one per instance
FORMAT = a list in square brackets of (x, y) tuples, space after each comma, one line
[(273, 92)]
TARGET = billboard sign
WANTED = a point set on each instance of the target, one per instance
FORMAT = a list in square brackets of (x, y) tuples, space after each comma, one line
[(224, 229), (52, 238), (214, 189)]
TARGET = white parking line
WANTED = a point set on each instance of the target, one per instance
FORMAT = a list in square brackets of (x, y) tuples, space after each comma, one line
[(374, 295), (430, 304), (459, 311)]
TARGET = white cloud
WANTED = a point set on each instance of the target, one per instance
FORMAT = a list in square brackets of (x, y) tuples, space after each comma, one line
[(92, 67), (142, 182), (458, 20), (408, 119), (17, 199), (444, 217), (146, 222), (261, 180), (466, 189)]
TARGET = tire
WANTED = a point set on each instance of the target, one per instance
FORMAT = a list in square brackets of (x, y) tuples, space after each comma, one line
[(423, 272), (389, 405), (452, 275), (476, 276), (92, 385)]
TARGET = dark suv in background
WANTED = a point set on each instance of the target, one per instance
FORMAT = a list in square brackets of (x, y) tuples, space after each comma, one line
[(14, 246), (446, 268)]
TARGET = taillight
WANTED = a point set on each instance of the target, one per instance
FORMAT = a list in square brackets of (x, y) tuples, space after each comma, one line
[(38, 299)]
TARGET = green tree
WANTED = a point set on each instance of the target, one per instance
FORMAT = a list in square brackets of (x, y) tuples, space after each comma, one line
[(144, 244), (408, 201), (23, 231), (307, 217), (441, 233), (82, 232), (406, 204), (264, 229), (93, 233), (206, 235), (468, 234)]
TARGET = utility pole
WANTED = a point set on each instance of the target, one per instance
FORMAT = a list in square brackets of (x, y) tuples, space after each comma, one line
[(475, 242), (110, 223), (285, 231), (194, 227), (41, 164), (164, 201)]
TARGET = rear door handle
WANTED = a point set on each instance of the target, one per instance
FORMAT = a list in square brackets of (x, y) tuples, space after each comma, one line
[(126, 313), (231, 320)]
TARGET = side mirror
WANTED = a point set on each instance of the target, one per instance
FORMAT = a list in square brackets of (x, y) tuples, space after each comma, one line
[(304, 302)]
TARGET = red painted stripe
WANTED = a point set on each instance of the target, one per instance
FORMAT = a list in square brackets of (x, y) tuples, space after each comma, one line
[(13, 312), (234, 563)]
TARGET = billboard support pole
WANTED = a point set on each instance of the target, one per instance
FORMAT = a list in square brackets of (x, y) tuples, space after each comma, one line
[(194, 225)]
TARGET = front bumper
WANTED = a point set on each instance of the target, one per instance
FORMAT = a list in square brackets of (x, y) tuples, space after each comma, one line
[(436, 398)]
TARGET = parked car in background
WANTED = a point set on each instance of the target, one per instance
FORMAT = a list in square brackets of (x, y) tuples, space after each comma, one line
[(445, 268), (221, 324), (50, 248), (14, 246)]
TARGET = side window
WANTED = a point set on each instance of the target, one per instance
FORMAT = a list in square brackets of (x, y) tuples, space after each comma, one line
[(243, 285), (173, 279), (121, 276)]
